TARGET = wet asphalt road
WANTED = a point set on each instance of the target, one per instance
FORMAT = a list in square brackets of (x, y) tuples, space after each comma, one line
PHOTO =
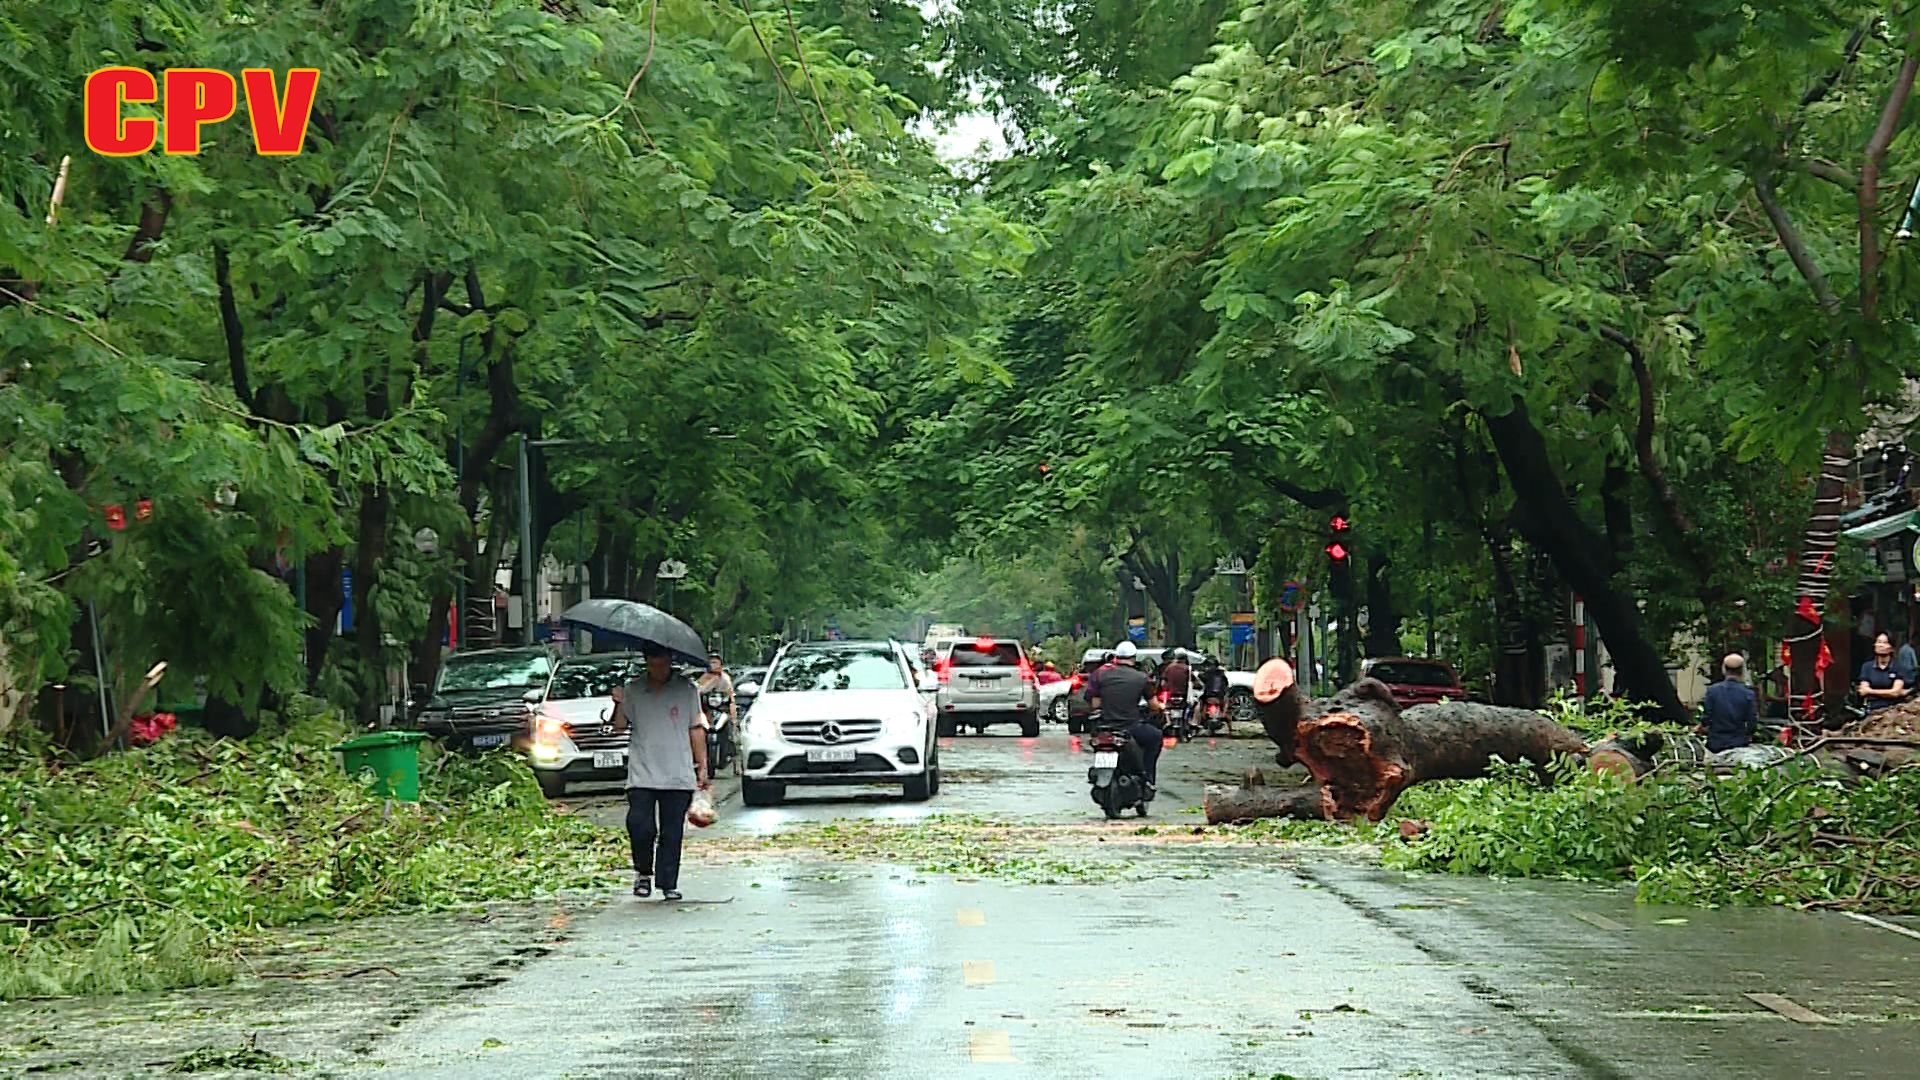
[(1255, 963), (1227, 961)]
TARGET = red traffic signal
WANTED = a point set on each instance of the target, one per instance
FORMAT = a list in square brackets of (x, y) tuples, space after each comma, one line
[(1340, 524), (1337, 551)]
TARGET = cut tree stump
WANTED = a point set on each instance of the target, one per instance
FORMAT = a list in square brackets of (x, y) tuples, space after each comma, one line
[(1362, 751), (1616, 757)]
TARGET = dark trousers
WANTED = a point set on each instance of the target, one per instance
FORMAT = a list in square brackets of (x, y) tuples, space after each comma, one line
[(1146, 739), (657, 818)]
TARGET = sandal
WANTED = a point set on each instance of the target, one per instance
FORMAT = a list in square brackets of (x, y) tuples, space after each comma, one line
[(642, 886), (670, 894)]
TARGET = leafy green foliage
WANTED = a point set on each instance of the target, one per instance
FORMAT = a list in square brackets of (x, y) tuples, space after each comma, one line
[(122, 873), (1796, 836)]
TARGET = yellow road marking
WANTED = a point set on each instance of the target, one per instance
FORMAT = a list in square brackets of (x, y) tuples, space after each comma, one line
[(990, 1047), (969, 916), (977, 972)]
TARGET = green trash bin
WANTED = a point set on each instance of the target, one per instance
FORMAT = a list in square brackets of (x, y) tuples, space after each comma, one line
[(389, 759)]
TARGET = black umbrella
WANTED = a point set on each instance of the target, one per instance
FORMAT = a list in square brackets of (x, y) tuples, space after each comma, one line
[(639, 624)]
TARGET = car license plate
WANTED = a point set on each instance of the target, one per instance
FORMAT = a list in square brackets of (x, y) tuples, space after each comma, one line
[(481, 742), (831, 754), (1107, 759), (610, 759)]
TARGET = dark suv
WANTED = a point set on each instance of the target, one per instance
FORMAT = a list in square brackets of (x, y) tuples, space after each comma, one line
[(483, 698)]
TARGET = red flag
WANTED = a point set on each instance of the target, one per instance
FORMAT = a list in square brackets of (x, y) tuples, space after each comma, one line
[(1805, 610)]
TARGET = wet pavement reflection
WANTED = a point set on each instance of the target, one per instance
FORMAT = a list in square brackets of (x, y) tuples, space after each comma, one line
[(1207, 960)]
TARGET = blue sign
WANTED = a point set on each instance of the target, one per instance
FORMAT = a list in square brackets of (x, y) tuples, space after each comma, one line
[(1243, 633), (1137, 632), (346, 600)]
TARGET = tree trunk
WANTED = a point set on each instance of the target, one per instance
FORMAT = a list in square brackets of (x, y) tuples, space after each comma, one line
[(1618, 757), (1802, 631), (1226, 805), (1552, 525), (371, 647), (1362, 751), (1383, 620), (323, 604)]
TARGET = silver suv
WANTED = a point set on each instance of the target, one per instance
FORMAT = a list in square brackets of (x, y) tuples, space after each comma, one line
[(984, 682)]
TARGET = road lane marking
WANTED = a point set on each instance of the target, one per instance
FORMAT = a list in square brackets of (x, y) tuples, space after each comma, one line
[(990, 1048), (970, 916), (1600, 921), (1788, 1008), (1883, 924), (977, 972)]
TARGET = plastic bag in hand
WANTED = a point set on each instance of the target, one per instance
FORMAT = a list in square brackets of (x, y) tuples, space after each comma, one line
[(701, 813)]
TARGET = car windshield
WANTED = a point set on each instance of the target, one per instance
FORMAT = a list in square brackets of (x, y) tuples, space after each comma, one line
[(1412, 674), (999, 654), (511, 671), (592, 678), (837, 669)]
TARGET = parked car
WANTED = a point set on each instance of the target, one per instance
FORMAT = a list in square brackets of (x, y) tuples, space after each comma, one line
[(482, 699), (840, 713), (1415, 681), (572, 733), (985, 682)]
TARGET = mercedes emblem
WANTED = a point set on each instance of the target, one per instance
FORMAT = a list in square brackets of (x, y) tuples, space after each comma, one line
[(830, 732)]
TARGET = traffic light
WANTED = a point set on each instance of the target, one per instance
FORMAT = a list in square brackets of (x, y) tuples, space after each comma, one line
[(1339, 551)]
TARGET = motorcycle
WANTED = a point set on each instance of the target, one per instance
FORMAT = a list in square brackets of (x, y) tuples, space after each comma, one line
[(1116, 777), (720, 742), (1213, 716), (1178, 717)]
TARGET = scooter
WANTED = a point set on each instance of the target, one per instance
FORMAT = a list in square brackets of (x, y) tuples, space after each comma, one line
[(1179, 717), (1116, 776), (720, 744), (1213, 716)]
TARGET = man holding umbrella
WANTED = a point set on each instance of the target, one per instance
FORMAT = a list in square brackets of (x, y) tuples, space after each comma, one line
[(666, 763)]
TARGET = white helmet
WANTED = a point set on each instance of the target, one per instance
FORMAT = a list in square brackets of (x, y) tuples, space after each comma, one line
[(1124, 651)]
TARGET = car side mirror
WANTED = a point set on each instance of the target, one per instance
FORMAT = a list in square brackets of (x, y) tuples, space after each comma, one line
[(750, 689), (419, 692), (929, 684), (534, 696)]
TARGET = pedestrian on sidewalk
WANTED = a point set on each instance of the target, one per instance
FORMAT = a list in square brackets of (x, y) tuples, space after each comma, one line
[(666, 764), (1880, 684), (1731, 713)]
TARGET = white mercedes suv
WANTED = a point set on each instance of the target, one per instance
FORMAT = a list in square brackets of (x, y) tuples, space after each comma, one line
[(840, 713)]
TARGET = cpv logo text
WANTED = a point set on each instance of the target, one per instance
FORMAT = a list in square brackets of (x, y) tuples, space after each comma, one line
[(195, 98)]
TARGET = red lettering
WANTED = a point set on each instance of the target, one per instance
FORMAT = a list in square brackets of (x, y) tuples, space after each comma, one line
[(280, 124), (105, 130), (195, 97)]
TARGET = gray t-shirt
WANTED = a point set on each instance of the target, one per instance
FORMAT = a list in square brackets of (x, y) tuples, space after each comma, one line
[(659, 754)]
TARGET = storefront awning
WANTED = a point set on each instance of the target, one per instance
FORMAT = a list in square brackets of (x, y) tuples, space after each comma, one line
[(1885, 527)]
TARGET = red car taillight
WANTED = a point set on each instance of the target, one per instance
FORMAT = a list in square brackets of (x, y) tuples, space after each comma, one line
[(1027, 673), (944, 670)]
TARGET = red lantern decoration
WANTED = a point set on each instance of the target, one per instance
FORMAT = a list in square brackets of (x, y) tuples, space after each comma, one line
[(116, 517)]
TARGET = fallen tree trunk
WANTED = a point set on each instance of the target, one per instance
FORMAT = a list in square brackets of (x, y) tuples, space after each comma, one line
[(1362, 751), (1238, 804), (1617, 757)]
